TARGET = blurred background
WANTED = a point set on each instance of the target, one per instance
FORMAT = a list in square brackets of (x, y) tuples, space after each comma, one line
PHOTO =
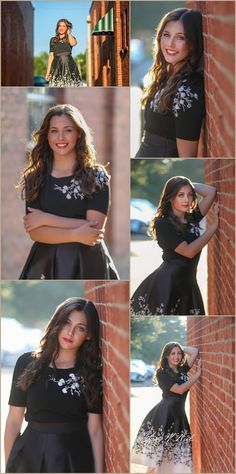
[(147, 339), (148, 177), (105, 111)]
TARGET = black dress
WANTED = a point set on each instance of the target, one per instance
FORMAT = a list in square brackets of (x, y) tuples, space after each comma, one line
[(56, 438), (64, 72), (183, 119), (172, 288), (70, 261), (164, 438)]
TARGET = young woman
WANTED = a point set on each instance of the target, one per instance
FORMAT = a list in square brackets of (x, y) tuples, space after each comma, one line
[(164, 442), (67, 199), (174, 98), (58, 390), (62, 70), (173, 288)]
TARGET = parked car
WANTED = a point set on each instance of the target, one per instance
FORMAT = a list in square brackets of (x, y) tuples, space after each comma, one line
[(141, 213), (150, 370), (138, 370), (40, 81)]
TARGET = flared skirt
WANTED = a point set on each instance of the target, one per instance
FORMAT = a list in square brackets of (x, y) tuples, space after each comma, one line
[(51, 450), (70, 261), (64, 72), (170, 289), (164, 439)]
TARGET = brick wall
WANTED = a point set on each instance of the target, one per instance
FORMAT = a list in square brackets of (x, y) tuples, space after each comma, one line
[(111, 299), (212, 397), (221, 248), (17, 43), (219, 73), (110, 61)]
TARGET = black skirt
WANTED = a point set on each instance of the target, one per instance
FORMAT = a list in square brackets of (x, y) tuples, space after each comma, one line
[(52, 447), (64, 72), (164, 438), (171, 289), (72, 261), (154, 146)]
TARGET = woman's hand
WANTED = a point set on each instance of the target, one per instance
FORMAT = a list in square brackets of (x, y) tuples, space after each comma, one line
[(215, 214), (47, 77), (88, 234), (199, 368), (34, 219)]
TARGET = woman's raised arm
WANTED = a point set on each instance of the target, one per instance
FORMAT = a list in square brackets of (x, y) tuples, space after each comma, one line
[(191, 353), (184, 387), (208, 194)]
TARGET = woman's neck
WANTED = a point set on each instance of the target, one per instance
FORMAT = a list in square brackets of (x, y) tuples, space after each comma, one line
[(61, 168), (66, 359)]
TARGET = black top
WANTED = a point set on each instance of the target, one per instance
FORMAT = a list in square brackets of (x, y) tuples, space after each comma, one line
[(55, 398), (187, 108), (61, 47), (63, 197), (169, 238), (166, 380)]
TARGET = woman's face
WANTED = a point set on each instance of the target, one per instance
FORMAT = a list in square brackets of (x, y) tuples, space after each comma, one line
[(74, 332), (182, 202), (62, 135), (62, 28), (175, 357), (173, 43)]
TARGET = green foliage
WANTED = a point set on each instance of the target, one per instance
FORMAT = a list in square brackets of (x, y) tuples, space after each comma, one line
[(30, 302), (40, 64), (150, 334), (149, 176), (80, 60), (41, 61)]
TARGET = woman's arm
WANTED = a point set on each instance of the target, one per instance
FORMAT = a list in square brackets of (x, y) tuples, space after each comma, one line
[(208, 194), (186, 148), (96, 436), (190, 250), (87, 234), (71, 38), (180, 389), (37, 218), (191, 353), (50, 60), (13, 427)]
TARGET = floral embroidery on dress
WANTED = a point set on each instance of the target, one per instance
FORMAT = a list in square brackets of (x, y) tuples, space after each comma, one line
[(183, 99), (144, 309), (71, 385), (73, 190), (154, 447)]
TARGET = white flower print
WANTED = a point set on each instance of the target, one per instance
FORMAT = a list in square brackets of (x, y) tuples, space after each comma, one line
[(71, 191), (72, 385), (183, 99), (101, 178)]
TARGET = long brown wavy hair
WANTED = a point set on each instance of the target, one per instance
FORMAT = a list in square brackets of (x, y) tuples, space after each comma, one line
[(88, 358), (170, 190), (69, 25), (162, 75), (163, 362), (40, 158)]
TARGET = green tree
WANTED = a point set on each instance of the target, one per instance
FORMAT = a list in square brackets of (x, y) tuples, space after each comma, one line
[(149, 335), (40, 64), (80, 60), (32, 302)]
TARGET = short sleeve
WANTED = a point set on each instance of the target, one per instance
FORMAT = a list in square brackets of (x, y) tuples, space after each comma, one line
[(17, 395), (189, 108), (100, 199), (51, 46), (167, 236), (165, 380)]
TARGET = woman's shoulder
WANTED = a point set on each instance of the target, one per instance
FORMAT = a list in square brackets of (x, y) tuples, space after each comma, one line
[(23, 361), (194, 81), (162, 223), (102, 177)]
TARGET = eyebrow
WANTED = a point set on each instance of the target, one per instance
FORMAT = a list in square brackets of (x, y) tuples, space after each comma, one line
[(179, 33), (78, 324)]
